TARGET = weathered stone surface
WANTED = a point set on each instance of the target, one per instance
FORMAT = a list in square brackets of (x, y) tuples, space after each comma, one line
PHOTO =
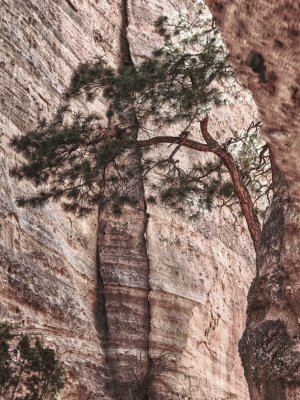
[(269, 347), (264, 40), (195, 270), (275, 80), (183, 283), (48, 277)]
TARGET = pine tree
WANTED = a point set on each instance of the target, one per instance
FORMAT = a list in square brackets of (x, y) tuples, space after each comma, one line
[(27, 372), (86, 160)]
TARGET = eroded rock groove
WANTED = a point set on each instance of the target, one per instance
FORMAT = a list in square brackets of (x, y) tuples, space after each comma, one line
[(124, 272)]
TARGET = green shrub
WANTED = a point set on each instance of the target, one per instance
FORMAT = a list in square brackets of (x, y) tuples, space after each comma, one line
[(27, 371)]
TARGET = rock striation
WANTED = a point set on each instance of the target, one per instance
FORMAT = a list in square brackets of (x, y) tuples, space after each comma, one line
[(266, 57), (48, 279), (112, 295)]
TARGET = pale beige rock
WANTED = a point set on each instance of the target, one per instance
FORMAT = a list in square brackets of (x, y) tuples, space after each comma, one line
[(48, 279), (198, 274)]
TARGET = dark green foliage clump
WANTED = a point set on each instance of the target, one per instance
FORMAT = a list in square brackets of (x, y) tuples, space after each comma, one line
[(27, 372), (6, 370), (71, 157), (87, 161), (174, 85)]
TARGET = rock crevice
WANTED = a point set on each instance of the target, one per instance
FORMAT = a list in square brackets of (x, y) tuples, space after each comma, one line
[(124, 268)]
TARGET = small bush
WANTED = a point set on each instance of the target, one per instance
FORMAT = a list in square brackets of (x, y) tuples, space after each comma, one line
[(27, 371)]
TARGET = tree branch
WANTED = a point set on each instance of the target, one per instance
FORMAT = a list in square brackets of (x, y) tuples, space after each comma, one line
[(192, 144), (213, 146)]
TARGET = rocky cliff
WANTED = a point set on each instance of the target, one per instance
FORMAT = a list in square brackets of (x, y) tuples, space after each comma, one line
[(111, 295), (264, 40)]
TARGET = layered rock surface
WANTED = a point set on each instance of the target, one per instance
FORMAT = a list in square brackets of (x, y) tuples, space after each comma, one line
[(48, 274), (151, 284), (264, 40)]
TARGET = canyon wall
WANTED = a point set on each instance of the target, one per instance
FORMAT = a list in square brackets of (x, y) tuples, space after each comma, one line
[(48, 275), (112, 295), (264, 41)]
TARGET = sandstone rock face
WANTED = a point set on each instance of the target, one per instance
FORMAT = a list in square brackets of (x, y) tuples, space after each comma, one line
[(48, 274), (267, 60), (266, 56), (194, 269), (113, 294)]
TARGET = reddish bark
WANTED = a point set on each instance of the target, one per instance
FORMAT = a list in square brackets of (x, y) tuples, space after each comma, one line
[(214, 147)]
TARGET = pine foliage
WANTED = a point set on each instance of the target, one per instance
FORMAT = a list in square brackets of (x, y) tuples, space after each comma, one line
[(27, 372), (86, 161)]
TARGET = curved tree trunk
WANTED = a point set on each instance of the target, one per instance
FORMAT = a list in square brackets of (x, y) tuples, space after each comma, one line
[(264, 40), (212, 146), (269, 347)]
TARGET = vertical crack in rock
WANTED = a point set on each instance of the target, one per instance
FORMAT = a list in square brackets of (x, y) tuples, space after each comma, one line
[(123, 279), (127, 60), (100, 306), (125, 47), (149, 285)]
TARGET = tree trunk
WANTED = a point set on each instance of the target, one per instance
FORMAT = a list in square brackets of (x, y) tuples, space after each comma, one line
[(269, 347)]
